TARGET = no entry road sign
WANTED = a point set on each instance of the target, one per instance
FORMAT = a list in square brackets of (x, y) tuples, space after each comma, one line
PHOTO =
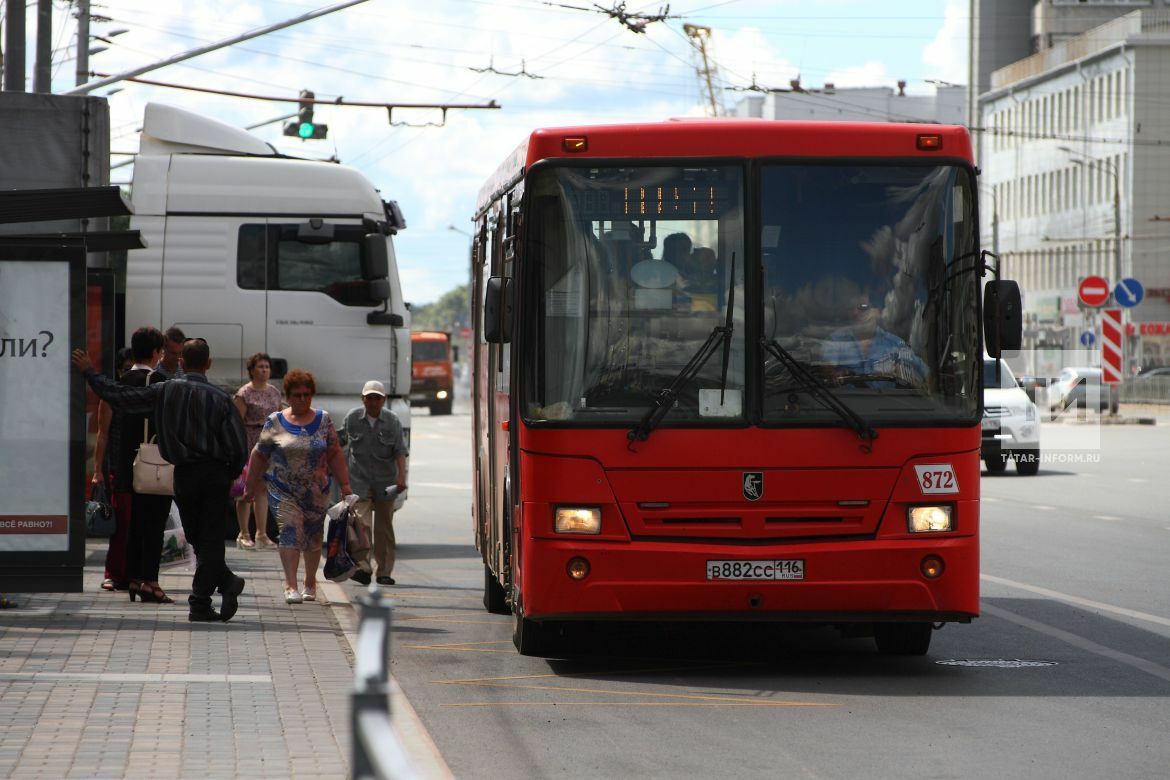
[(1093, 291)]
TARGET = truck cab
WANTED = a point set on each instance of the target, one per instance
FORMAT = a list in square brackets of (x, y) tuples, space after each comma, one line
[(432, 376), (255, 251)]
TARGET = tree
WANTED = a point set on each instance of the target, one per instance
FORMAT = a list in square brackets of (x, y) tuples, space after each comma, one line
[(450, 313)]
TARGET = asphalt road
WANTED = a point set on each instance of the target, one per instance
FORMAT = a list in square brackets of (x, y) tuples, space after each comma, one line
[(1066, 674)]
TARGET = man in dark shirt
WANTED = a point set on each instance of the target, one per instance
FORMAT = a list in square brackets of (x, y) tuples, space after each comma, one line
[(201, 433)]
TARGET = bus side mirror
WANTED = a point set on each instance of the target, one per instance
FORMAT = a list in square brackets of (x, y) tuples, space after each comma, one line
[(1003, 327), (375, 259), (497, 311)]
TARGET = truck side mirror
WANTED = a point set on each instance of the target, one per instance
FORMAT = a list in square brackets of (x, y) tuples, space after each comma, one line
[(375, 259), (379, 289), (1002, 324), (497, 311)]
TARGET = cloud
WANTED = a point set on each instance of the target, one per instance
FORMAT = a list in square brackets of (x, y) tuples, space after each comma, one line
[(946, 55)]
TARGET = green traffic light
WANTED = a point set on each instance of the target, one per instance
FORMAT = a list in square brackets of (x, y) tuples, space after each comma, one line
[(306, 129)]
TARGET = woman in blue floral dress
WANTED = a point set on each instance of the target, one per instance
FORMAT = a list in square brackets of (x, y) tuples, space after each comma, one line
[(297, 450)]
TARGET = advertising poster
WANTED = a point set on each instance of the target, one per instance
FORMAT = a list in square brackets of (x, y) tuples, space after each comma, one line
[(41, 415)]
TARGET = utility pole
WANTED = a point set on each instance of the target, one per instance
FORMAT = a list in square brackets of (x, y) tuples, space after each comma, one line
[(92, 85), (706, 68), (14, 33), (43, 69), (82, 42)]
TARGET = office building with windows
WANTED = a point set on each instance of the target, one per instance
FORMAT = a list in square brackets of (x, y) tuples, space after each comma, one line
[(1076, 174)]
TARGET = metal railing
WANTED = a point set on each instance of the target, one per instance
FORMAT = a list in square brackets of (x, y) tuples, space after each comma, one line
[(377, 753)]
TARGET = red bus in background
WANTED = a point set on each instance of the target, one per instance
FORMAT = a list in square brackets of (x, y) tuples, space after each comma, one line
[(731, 370)]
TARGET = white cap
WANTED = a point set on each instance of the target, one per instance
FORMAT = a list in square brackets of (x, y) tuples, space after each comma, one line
[(374, 387)]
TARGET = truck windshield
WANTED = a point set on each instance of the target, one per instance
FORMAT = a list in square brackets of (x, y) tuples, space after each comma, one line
[(870, 281), (428, 351), (630, 270)]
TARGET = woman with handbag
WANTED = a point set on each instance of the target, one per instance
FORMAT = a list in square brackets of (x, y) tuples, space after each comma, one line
[(143, 516), (297, 451), (256, 400)]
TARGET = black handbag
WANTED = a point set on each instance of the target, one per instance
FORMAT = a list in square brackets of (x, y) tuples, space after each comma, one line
[(99, 514)]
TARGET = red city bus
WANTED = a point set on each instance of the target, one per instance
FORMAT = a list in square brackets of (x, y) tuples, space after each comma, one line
[(731, 370)]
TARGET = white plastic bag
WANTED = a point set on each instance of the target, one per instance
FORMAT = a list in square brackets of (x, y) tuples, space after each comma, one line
[(357, 536), (175, 550)]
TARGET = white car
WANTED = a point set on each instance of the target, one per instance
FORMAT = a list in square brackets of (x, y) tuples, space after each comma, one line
[(1011, 423)]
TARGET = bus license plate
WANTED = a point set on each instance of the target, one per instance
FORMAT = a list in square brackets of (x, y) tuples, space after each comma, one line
[(755, 570)]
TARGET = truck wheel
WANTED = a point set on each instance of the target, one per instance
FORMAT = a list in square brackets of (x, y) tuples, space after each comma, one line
[(996, 463), (902, 638), (1027, 462), (495, 599), (441, 407)]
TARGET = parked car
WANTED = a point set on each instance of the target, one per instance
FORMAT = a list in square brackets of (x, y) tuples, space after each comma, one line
[(1011, 423), (1084, 387)]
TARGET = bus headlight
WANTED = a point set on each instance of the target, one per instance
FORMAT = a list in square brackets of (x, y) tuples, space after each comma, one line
[(924, 519), (578, 520)]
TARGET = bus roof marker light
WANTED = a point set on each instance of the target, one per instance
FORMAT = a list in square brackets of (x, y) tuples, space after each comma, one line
[(930, 143), (575, 144)]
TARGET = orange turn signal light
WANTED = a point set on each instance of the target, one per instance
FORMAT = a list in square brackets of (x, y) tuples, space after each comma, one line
[(575, 144), (930, 143)]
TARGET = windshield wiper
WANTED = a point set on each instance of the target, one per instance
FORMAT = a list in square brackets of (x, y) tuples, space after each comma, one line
[(664, 402), (818, 390)]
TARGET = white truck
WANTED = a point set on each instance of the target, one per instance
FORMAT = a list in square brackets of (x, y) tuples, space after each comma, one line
[(256, 251)]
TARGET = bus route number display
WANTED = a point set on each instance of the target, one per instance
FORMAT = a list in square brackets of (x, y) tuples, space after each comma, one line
[(684, 200)]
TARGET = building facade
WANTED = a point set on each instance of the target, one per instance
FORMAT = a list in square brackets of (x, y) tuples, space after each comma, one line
[(1076, 176), (857, 104)]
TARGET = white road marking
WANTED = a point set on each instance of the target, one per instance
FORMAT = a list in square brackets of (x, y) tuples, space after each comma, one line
[(1109, 518), (1044, 508), (443, 485), (990, 500), (1078, 601), (1149, 667), (1137, 479)]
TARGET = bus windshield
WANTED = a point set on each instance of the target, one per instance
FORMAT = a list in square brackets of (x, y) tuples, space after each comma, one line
[(631, 269), (870, 274)]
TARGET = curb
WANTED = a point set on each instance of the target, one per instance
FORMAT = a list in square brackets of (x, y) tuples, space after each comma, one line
[(424, 755)]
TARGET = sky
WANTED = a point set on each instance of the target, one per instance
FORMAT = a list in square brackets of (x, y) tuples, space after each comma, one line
[(591, 69)]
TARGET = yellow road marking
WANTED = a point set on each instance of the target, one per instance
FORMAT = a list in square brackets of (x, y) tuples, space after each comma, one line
[(465, 647), (639, 704), (671, 696)]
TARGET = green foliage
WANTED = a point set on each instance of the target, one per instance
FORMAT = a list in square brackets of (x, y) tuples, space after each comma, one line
[(451, 312)]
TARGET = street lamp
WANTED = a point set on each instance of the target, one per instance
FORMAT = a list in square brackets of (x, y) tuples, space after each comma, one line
[(460, 230), (1111, 169)]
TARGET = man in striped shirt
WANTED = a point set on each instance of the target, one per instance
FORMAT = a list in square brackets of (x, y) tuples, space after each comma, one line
[(201, 433)]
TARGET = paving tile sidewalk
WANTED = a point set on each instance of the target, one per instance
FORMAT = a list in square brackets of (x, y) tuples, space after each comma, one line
[(92, 685)]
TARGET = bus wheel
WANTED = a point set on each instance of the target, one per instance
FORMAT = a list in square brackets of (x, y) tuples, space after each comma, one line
[(902, 638), (495, 599)]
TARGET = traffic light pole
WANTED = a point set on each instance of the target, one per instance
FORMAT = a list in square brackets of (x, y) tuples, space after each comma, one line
[(92, 85)]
